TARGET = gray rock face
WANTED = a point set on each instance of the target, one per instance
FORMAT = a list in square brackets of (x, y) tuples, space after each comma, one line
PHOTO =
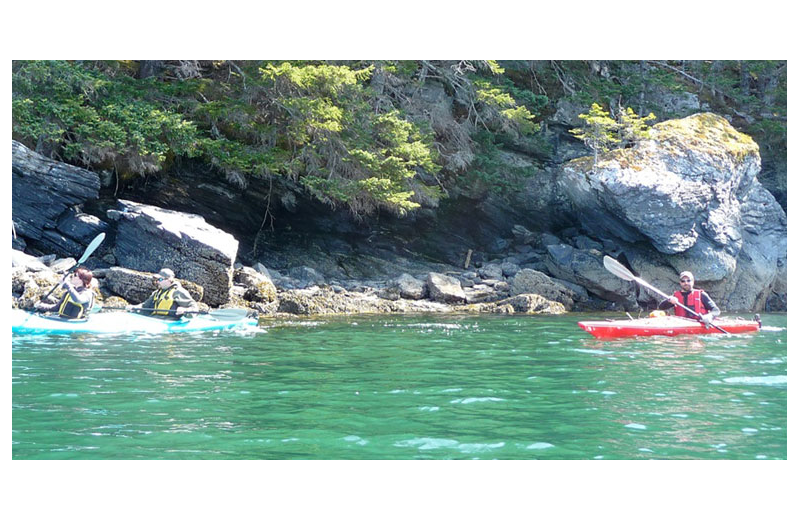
[(42, 191), (149, 238), (691, 193)]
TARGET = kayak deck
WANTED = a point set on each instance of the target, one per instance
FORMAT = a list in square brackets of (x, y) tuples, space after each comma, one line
[(663, 326), (23, 322)]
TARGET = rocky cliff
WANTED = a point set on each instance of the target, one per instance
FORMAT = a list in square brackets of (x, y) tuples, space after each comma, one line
[(688, 198), (404, 180)]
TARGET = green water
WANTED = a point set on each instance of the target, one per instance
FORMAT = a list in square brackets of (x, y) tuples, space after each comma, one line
[(409, 387)]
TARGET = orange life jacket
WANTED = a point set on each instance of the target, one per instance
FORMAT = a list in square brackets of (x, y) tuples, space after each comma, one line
[(694, 301)]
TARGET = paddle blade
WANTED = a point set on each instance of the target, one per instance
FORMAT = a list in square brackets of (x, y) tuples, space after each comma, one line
[(229, 314), (86, 254), (94, 244), (617, 269)]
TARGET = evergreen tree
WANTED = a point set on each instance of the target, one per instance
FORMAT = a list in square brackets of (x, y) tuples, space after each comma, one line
[(601, 132), (633, 127), (598, 132)]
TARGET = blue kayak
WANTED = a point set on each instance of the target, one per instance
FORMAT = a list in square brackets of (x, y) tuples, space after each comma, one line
[(23, 322)]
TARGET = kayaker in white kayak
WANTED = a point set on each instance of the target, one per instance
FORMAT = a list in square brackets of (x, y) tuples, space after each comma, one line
[(78, 299), (170, 300), (696, 299)]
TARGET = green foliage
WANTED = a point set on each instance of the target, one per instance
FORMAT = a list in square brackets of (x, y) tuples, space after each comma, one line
[(95, 119), (601, 133), (499, 99), (633, 127), (316, 124), (368, 157), (405, 69), (599, 130), (751, 93), (321, 127)]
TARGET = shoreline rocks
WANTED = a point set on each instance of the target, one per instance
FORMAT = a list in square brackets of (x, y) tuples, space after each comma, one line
[(571, 279), (251, 289)]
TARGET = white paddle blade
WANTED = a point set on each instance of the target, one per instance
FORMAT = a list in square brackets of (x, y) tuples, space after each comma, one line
[(617, 269), (92, 246), (228, 314)]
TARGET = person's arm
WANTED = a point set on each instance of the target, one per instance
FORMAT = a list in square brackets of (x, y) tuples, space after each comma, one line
[(668, 303), (185, 302), (147, 304), (709, 304), (47, 307)]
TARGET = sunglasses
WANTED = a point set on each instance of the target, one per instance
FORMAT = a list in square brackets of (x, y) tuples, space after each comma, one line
[(685, 280)]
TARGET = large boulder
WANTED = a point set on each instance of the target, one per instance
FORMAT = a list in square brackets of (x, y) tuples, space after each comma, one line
[(149, 238), (533, 304), (690, 193), (259, 287), (409, 287), (136, 286), (445, 289), (585, 268), (530, 281)]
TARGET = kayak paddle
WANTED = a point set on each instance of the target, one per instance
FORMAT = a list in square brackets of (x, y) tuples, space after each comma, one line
[(94, 244), (620, 270), (218, 314)]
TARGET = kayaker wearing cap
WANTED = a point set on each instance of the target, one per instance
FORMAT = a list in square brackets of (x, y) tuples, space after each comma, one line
[(77, 300), (169, 300), (695, 299)]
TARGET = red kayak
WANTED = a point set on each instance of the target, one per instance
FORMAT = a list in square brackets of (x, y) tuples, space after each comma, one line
[(664, 326)]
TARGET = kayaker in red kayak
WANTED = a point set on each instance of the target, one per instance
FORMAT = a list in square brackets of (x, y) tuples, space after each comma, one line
[(696, 299), (170, 300), (77, 300)]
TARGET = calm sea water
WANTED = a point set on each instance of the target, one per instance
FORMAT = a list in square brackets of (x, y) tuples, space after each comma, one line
[(408, 387)]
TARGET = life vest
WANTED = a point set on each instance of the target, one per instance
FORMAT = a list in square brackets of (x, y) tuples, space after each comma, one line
[(164, 301), (71, 309), (694, 301)]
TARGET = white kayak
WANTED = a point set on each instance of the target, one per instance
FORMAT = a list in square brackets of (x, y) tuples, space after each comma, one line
[(23, 322)]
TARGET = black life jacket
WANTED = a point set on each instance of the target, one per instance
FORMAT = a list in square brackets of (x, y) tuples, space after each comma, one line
[(74, 310)]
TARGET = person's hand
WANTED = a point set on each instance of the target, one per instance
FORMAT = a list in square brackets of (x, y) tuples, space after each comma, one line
[(179, 311), (707, 318), (673, 300)]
